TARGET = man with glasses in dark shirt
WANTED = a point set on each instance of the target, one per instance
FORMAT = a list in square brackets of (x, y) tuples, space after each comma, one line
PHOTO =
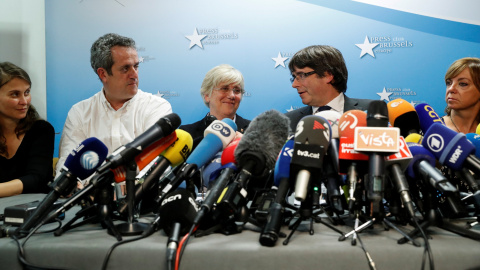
[(320, 76)]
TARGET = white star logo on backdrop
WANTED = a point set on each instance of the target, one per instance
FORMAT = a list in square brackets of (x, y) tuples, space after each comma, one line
[(367, 47), (384, 95), (196, 39), (140, 59), (279, 61), (413, 103), (291, 109), (159, 94)]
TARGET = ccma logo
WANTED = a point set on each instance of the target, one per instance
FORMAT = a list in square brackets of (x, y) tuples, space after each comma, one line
[(89, 160)]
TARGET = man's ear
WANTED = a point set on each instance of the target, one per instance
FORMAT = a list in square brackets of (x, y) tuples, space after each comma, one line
[(102, 74), (329, 76)]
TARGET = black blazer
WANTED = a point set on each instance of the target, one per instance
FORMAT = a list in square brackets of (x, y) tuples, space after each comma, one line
[(350, 104), (196, 129)]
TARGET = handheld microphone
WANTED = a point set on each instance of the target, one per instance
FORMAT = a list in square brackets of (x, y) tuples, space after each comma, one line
[(146, 156), (351, 162), (402, 114), (175, 153), (475, 140), (452, 149), (281, 180), (312, 138), (333, 181), (163, 127), (377, 116), (81, 163), (427, 116), (256, 153), (217, 136), (414, 138)]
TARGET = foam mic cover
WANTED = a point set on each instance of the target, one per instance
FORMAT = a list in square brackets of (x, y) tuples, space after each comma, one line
[(449, 147), (402, 114), (349, 121), (262, 141), (427, 116), (86, 157), (282, 166), (210, 170), (333, 119), (377, 114), (414, 138), (228, 153), (178, 206), (216, 137), (478, 129), (475, 140)]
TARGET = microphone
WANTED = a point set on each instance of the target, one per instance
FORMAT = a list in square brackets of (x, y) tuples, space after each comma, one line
[(163, 127), (176, 217), (81, 163), (377, 140), (414, 138), (423, 164), (228, 155), (312, 138), (216, 137), (453, 150), (402, 114), (351, 162), (175, 153), (397, 163), (256, 153), (478, 129), (333, 181), (427, 116), (146, 156), (475, 140), (281, 181)]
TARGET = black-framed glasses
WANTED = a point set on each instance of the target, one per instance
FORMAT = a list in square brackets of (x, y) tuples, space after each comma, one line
[(301, 76), (226, 90)]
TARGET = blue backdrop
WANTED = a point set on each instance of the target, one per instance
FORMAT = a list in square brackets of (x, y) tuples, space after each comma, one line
[(389, 54)]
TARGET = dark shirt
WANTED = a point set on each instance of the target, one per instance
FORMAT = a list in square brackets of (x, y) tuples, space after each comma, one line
[(196, 129), (32, 163)]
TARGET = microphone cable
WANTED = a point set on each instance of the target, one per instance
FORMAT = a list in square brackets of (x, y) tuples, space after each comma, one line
[(371, 263), (183, 243), (427, 250)]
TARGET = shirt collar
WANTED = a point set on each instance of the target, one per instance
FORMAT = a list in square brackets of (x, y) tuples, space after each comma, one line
[(336, 104)]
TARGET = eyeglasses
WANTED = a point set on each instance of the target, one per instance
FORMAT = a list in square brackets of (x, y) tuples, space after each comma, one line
[(301, 76), (225, 90)]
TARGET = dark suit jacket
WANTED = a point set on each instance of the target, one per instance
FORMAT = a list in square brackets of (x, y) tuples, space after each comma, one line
[(196, 129), (350, 104)]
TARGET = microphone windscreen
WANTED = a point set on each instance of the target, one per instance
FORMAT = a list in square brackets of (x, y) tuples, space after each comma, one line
[(169, 123), (349, 121), (427, 116), (414, 138), (402, 114), (265, 136), (211, 168), (419, 153), (478, 129), (313, 129), (475, 140), (86, 157), (179, 150), (333, 118), (449, 147), (217, 135), (179, 206), (227, 154), (377, 114), (282, 166)]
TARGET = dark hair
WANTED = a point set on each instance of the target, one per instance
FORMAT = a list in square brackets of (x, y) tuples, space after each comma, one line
[(9, 71), (473, 65), (322, 58), (101, 51)]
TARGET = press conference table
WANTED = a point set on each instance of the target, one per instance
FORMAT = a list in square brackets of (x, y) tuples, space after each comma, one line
[(85, 247)]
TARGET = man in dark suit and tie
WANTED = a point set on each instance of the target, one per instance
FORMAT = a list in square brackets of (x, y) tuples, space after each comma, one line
[(320, 76)]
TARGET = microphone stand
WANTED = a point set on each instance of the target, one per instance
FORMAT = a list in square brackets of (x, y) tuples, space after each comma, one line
[(97, 211), (131, 227), (306, 211)]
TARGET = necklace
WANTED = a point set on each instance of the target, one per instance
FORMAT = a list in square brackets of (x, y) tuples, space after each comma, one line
[(454, 123)]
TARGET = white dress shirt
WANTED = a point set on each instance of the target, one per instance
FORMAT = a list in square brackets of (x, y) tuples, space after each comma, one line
[(95, 117), (336, 104)]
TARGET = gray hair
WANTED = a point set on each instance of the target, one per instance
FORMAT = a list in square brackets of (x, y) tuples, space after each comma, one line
[(220, 74), (101, 51)]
